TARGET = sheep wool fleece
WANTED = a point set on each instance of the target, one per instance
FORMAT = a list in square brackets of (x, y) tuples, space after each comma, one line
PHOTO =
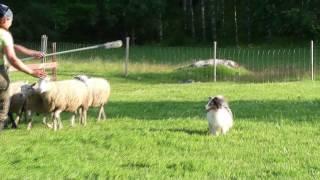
[(5, 41)]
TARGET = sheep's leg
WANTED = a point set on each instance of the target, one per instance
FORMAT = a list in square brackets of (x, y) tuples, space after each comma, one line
[(80, 116), (23, 111), (20, 115), (73, 118), (224, 130), (44, 121), (60, 123), (213, 131), (84, 117), (29, 115), (100, 113), (52, 120), (25, 115), (104, 113), (11, 120), (16, 122), (56, 117), (17, 119), (55, 124), (48, 124)]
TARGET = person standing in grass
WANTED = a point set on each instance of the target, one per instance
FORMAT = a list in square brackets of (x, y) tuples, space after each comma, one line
[(8, 56)]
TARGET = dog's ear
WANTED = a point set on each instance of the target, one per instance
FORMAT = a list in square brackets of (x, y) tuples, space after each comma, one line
[(210, 97), (33, 84)]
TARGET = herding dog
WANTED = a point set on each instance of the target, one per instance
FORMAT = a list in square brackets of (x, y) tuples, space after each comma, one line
[(219, 115)]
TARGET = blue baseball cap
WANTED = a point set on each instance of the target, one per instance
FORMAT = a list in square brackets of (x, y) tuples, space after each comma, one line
[(5, 11)]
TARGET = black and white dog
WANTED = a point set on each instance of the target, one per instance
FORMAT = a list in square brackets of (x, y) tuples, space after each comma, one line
[(219, 115)]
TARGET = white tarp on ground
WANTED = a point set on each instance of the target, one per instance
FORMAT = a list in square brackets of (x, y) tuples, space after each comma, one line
[(210, 62)]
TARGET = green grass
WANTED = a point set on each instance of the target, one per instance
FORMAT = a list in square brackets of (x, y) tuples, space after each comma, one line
[(158, 130)]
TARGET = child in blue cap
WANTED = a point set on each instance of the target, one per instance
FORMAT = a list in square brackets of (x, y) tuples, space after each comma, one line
[(8, 57)]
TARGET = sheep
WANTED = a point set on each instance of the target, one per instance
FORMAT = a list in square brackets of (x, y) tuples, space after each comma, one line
[(17, 102), (40, 102), (66, 95), (100, 92), (34, 103)]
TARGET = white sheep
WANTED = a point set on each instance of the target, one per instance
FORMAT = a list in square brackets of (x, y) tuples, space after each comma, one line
[(66, 95), (100, 92)]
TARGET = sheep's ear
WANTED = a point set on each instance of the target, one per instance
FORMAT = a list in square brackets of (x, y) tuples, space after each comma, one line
[(33, 84)]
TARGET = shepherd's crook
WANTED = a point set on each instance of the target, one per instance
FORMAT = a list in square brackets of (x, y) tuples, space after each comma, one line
[(108, 45)]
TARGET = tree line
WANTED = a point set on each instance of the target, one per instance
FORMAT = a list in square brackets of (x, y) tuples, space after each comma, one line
[(172, 22)]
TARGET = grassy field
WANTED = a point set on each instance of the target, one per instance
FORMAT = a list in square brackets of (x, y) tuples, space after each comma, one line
[(158, 130)]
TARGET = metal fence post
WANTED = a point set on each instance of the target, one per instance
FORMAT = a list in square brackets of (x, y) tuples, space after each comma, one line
[(126, 64), (215, 60), (312, 68), (44, 46), (54, 59)]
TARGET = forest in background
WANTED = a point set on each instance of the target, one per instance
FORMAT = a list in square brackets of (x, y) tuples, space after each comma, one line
[(176, 22)]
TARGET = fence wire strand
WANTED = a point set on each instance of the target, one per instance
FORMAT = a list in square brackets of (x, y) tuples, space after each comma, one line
[(178, 64)]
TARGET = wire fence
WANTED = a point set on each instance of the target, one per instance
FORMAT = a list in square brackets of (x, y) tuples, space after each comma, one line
[(194, 64)]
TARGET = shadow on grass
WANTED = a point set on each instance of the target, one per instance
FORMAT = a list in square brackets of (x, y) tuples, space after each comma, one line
[(268, 111), (258, 111), (183, 130)]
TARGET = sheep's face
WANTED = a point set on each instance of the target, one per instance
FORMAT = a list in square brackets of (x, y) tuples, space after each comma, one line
[(27, 89), (44, 85), (215, 103)]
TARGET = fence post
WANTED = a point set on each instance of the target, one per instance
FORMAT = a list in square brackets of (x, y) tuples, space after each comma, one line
[(127, 57), (53, 59), (44, 46), (215, 60), (312, 68)]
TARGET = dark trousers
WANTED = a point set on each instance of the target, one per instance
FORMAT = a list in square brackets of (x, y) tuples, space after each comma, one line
[(4, 104), (4, 93)]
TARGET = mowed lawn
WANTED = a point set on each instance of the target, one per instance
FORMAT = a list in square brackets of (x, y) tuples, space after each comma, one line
[(159, 131)]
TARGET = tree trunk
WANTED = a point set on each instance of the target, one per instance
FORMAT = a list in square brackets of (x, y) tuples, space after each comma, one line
[(133, 36), (222, 19), (101, 20), (248, 12), (213, 20), (269, 25), (185, 15), (192, 19), (203, 20), (235, 22), (160, 28)]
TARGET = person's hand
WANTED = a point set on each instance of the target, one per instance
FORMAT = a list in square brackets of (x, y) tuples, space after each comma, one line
[(38, 73), (38, 54)]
